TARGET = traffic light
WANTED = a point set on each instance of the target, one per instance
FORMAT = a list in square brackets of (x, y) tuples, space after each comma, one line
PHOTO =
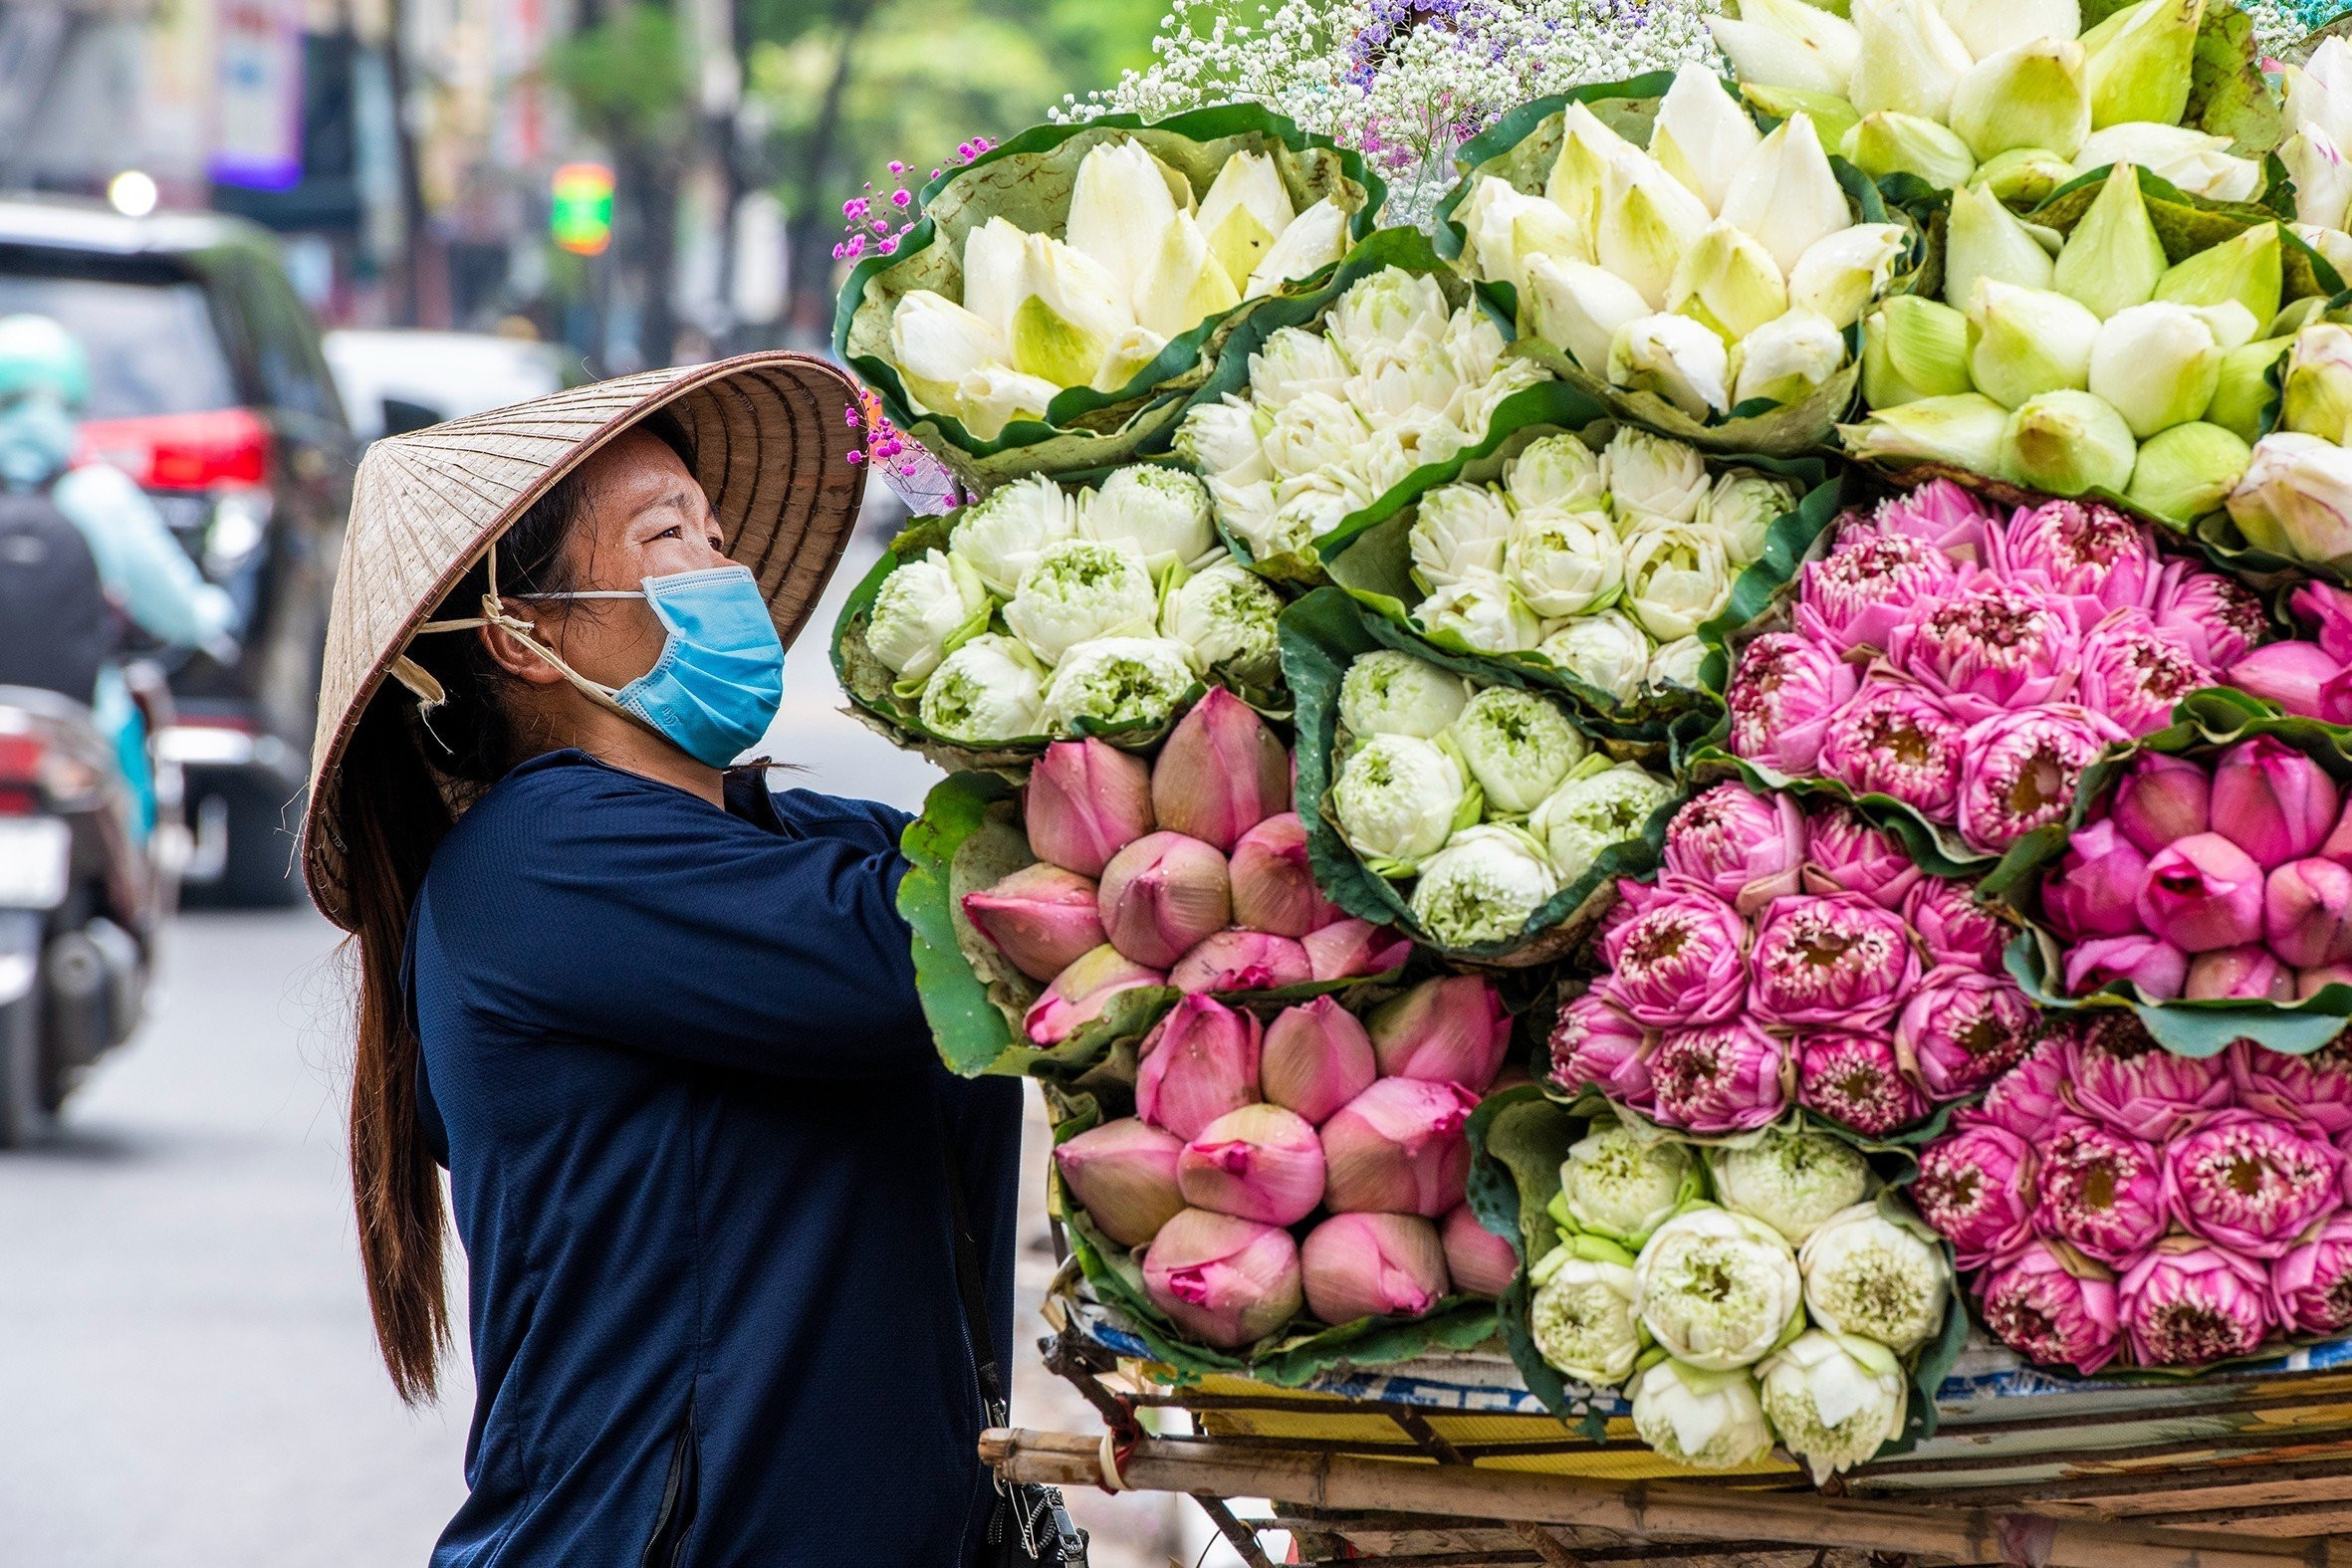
[(580, 215)]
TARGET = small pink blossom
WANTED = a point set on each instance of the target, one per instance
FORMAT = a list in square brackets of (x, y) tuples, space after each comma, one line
[(2086, 548), (1745, 848), (1844, 853), (1594, 1045), (2157, 967), (2218, 618), (2311, 1284), (1993, 646), (2025, 1100), (1680, 961), (2134, 671), (1954, 927), (2316, 1089), (1872, 584), (2116, 1074), (1944, 516)]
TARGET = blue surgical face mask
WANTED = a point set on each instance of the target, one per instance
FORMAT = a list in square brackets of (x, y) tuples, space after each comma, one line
[(37, 438)]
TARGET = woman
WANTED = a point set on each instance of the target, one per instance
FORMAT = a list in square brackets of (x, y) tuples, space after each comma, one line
[(658, 1023)]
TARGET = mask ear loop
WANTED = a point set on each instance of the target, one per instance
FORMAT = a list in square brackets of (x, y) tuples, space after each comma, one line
[(494, 613)]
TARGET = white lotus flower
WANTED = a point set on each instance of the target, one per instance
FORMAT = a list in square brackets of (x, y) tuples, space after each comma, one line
[(922, 606), (1128, 355), (1114, 682), (1983, 239), (993, 255), (1388, 459), (1789, 43), (1620, 1188), (2319, 93), (1158, 514), (1676, 664), (1608, 651), (1647, 220), (1519, 746), (1482, 612), (2334, 245), (1840, 274), (1314, 504), (1792, 1182), (1472, 410), (1710, 1421), (1580, 307), (2158, 364), (1314, 431), (2323, 180), (1676, 577), (1120, 208), (1741, 510), (1393, 315), (1655, 476), (1391, 391), (1473, 346), (1183, 286), (1835, 1400), (1909, 58), (1987, 27), (1245, 210), (1003, 534), (2198, 163), (1227, 440), (1555, 473), (1702, 134), (1225, 616), (1865, 1275), (1457, 529), (1785, 193), (1564, 563), (1071, 312), (992, 397), (1483, 886), (1081, 591), (1717, 1288), (1316, 238), (1728, 282), (1248, 511), (1294, 361), (2033, 97), (935, 343), (1507, 227), (984, 692), (1387, 692), (1676, 358), (1782, 361), (1586, 146), (1581, 1316), (2296, 499), (1588, 815), (1396, 799)]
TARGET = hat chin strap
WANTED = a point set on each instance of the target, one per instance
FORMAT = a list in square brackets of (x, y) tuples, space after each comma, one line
[(430, 692)]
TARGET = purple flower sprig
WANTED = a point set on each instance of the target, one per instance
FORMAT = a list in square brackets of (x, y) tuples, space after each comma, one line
[(878, 221)]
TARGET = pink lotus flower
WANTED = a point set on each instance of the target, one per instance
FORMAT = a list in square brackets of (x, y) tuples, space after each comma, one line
[(2202, 892), (2152, 964), (2243, 1181), (1963, 1028), (1873, 582), (2272, 802), (2134, 671), (1123, 1174), (2316, 1089), (1315, 1058), (1196, 1063), (2311, 1284), (2117, 1076), (1838, 963), (2101, 1190), (1227, 1282), (1087, 801), (1220, 773), (1677, 957), (1272, 885), (2025, 1100), (2187, 1303), (1260, 1161), (2052, 1305), (2249, 973), (1743, 847), (1975, 1186), (1943, 515), (1845, 854), (2297, 676), (2218, 618), (2329, 609), (1896, 738), (1720, 1078), (1242, 960), (2086, 548), (1781, 699), (1993, 646), (1372, 1265), (1595, 1045), (1161, 895), (2021, 769), (1452, 1030), (1042, 918), (2160, 800), (1079, 993), (1346, 948), (1855, 1079), (2095, 890), (1399, 1148), (1480, 1262), (1953, 928), (2307, 913)]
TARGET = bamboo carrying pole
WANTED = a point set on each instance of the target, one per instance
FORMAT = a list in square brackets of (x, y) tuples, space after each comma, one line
[(1343, 1482)]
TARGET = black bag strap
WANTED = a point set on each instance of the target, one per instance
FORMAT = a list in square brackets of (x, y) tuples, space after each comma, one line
[(972, 1285)]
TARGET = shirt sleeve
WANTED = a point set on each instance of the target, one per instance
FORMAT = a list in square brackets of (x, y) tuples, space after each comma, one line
[(139, 561), (628, 912)]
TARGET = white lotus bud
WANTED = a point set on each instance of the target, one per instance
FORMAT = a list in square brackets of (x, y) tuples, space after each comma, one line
[(1677, 579), (1183, 284), (1676, 358), (1702, 134), (1158, 514), (1245, 210), (1888, 142), (1580, 307), (1586, 816), (1128, 358), (2067, 442), (920, 609), (1607, 652), (1316, 238), (1081, 592), (2296, 499), (2114, 258), (1789, 43), (1391, 314), (993, 255), (2247, 273), (2188, 471), (1564, 563), (1785, 193), (1396, 799), (1483, 886), (1741, 508), (2323, 179), (1116, 681), (984, 692), (1840, 275), (1225, 616), (1457, 529), (1647, 220), (1483, 611), (936, 342), (1588, 147), (1314, 431), (1387, 692), (1963, 430), (1308, 505), (1866, 1275), (1914, 348), (1556, 473), (1072, 311), (1120, 208), (1676, 664), (1507, 228), (1710, 1421), (1835, 1400), (990, 398), (1909, 58), (1795, 1181), (2158, 364), (1620, 1187), (1291, 362), (1472, 409), (1983, 239), (1227, 440), (1717, 1288), (2319, 92), (2023, 177), (1728, 282), (2028, 341), (1653, 476), (2034, 95), (1003, 534), (1987, 27), (1581, 1317), (2198, 163), (1782, 361), (2141, 62)]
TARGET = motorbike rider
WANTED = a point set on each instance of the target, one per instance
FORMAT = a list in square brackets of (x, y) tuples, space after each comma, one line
[(147, 575)]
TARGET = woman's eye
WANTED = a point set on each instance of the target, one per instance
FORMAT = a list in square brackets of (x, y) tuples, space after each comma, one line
[(672, 531)]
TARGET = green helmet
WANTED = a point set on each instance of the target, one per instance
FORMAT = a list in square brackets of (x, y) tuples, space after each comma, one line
[(39, 356)]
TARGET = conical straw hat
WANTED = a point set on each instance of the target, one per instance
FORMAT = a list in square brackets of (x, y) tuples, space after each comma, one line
[(771, 435)]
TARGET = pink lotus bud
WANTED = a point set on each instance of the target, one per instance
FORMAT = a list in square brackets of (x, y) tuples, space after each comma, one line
[(1845, 854), (1855, 1079), (1242, 960), (1399, 1148), (2220, 618), (1782, 697), (1346, 948), (1955, 928), (2096, 888), (2339, 841), (2294, 675), (2022, 769), (1478, 1262), (2051, 1304), (2024, 1100), (1834, 963), (1123, 1174), (1745, 848), (1220, 773), (2134, 671), (2243, 1181), (1087, 801), (2116, 1074), (1873, 582), (2311, 1284), (1595, 1045), (2202, 892), (2086, 548), (2316, 1089), (1963, 1028), (2154, 965), (1041, 917), (1896, 738), (2311, 983), (1944, 515), (2160, 800), (1198, 1062), (1272, 885), (1718, 1079), (1372, 1265), (2248, 972), (1257, 1163), (2307, 913), (2272, 802), (2189, 1302), (1677, 955), (1227, 1282), (2329, 609), (1975, 1186), (1316, 1060), (1079, 993), (1452, 1030), (1993, 646), (2103, 1191), (1161, 895)]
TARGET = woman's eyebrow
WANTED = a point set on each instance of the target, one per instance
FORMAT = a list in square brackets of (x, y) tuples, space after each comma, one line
[(681, 499)]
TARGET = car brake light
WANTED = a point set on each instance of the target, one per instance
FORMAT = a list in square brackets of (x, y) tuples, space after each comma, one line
[(207, 451), (20, 759), (18, 801)]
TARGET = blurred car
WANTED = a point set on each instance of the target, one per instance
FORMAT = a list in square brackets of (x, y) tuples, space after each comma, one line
[(397, 381), (208, 387)]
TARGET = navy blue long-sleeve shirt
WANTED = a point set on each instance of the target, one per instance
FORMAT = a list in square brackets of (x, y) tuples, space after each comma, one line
[(694, 1127)]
